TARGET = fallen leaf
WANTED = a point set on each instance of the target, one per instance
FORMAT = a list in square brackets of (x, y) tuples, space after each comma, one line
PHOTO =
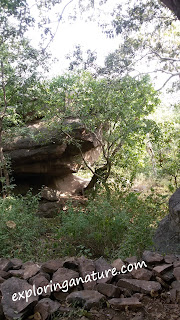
[(11, 224)]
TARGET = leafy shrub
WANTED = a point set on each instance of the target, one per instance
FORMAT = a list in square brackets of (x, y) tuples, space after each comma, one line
[(19, 226), (98, 227), (147, 212), (120, 227)]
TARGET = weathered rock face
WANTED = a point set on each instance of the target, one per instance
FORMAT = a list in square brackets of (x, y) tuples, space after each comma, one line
[(167, 237), (50, 158), (174, 210)]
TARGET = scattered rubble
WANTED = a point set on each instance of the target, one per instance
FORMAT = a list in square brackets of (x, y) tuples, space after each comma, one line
[(120, 293)]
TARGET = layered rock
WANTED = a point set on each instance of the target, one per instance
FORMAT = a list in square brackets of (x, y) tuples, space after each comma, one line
[(46, 156), (167, 237)]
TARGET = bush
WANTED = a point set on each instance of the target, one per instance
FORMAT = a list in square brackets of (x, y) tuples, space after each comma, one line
[(19, 226), (147, 212), (98, 228), (119, 227)]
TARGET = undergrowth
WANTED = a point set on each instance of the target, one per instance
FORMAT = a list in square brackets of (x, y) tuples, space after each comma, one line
[(119, 227), (20, 228)]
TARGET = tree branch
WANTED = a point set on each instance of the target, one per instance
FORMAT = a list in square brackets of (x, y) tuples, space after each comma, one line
[(173, 75), (85, 162), (165, 58), (59, 20), (159, 70)]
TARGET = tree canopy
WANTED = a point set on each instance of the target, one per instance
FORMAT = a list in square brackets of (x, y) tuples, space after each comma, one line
[(113, 102), (114, 110)]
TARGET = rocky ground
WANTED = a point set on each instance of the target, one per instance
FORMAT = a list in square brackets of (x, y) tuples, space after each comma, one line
[(148, 292)]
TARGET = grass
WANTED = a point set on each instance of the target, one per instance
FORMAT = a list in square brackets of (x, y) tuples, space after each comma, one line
[(74, 314)]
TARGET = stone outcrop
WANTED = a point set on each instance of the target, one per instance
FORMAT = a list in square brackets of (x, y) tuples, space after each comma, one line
[(167, 237), (31, 295), (46, 156), (46, 159)]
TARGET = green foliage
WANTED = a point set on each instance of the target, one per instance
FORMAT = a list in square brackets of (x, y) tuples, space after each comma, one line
[(113, 110), (120, 227), (19, 226), (76, 313), (89, 227), (20, 62), (141, 226), (21, 76), (108, 99), (6, 189), (167, 148)]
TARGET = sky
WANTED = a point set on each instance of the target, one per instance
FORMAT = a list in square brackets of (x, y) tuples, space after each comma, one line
[(70, 34)]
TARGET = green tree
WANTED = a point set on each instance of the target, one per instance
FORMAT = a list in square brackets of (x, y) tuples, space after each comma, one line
[(167, 148), (19, 63), (8, 33), (114, 111)]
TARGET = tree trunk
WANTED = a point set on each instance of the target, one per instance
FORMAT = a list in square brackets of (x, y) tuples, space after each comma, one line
[(3, 165), (102, 172), (150, 150), (4, 175), (173, 5)]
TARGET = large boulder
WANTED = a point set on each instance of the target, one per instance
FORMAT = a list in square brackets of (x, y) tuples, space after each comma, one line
[(17, 298), (167, 237), (44, 155)]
